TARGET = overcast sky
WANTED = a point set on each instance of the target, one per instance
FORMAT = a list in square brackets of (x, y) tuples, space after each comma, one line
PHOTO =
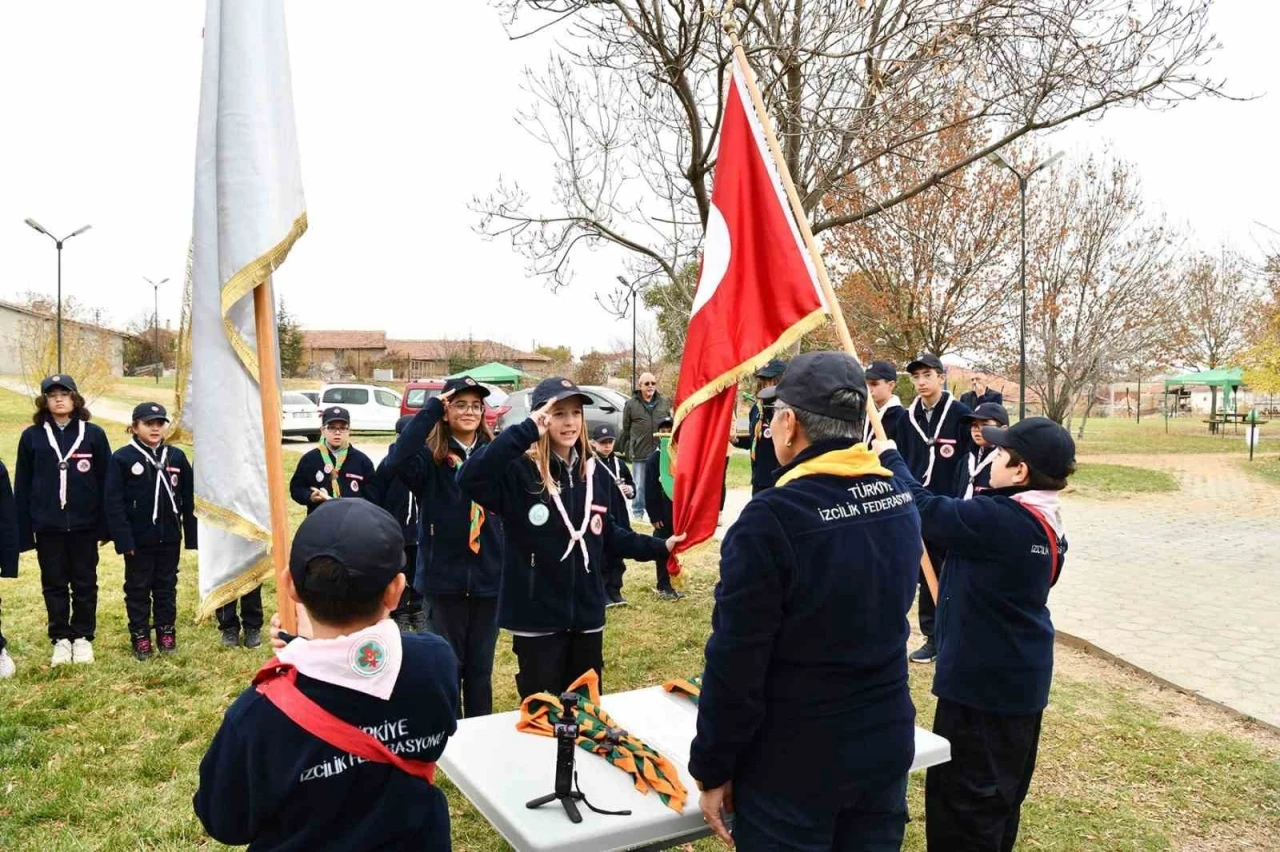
[(405, 111)]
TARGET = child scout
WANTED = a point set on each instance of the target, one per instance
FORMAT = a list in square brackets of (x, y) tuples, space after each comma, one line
[(334, 468)]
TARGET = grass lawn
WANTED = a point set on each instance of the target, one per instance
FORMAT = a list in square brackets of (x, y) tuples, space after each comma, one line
[(1114, 480), (739, 470), (1119, 436), (1263, 466), (104, 757)]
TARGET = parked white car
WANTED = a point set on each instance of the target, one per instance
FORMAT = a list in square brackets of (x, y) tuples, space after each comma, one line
[(373, 408), (300, 417)]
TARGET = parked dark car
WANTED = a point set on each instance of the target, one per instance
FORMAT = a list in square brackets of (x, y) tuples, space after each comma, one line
[(605, 407)]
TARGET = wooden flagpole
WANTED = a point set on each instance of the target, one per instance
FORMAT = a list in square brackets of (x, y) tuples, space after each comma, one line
[(269, 390), (802, 222)]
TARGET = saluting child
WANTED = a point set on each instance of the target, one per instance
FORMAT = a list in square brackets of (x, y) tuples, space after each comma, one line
[(1005, 550), (882, 381), (8, 557), (554, 501), (61, 475), (658, 506), (974, 476), (462, 545), (397, 499), (334, 469), (150, 506), (603, 441)]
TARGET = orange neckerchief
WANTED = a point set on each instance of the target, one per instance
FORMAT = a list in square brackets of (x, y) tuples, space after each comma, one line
[(691, 688)]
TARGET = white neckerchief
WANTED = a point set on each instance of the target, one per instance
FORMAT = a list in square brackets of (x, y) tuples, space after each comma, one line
[(352, 661), (408, 515), (162, 477), (929, 442), (867, 432), (62, 460), (615, 473), (976, 467), (1050, 505), (577, 536)]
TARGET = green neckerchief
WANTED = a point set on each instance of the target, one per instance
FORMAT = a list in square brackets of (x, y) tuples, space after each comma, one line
[(334, 463)]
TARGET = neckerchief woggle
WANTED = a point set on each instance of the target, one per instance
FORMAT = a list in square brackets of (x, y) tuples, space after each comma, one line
[(162, 478), (577, 536), (975, 468), (868, 433), (62, 460), (929, 442), (333, 463)]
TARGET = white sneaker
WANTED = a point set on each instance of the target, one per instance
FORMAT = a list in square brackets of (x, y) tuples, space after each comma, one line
[(61, 652), (7, 668), (82, 651)]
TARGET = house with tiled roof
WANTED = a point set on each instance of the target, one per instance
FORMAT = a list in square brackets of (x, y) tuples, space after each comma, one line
[(358, 352)]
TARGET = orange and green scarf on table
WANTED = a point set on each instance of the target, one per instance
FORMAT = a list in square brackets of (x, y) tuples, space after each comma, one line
[(334, 461), (691, 688), (599, 734)]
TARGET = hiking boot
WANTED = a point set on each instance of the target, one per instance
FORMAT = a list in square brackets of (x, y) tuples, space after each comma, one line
[(7, 668), (252, 637), (231, 637), (926, 653), (61, 653), (142, 647), (82, 651), (167, 639)]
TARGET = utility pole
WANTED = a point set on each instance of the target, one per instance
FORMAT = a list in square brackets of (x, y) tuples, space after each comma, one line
[(155, 326)]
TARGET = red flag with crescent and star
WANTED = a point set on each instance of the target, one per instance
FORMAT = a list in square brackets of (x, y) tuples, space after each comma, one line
[(757, 294)]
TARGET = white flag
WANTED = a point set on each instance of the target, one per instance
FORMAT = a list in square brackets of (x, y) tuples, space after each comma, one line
[(249, 211)]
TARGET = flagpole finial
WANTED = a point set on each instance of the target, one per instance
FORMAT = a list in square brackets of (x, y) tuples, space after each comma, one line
[(725, 14)]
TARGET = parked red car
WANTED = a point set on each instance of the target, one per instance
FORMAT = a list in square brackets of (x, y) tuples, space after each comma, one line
[(416, 395)]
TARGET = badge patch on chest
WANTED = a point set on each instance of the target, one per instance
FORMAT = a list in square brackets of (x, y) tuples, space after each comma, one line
[(368, 658), (319, 476), (597, 524), (946, 450), (767, 433), (539, 514), (355, 486), (136, 470), (173, 480), (83, 465)]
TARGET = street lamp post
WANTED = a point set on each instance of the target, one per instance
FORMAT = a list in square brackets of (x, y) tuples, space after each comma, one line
[(58, 242), (155, 326), (635, 380), (1022, 272)]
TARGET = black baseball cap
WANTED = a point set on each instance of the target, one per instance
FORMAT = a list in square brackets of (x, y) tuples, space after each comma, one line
[(885, 371), (464, 383), (926, 360), (59, 381), (772, 370), (604, 432), (335, 412), (812, 380), (363, 537), (1042, 444), (403, 422), (665, 423), (150, 411), (554, 389), (768, 394), (988, 411)]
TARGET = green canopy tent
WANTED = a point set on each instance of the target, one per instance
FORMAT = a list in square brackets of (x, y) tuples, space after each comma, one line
[(493, 373), (1227, 378)]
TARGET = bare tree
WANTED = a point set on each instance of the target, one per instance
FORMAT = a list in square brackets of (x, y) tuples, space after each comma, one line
[(630, 103), (1222, 298)]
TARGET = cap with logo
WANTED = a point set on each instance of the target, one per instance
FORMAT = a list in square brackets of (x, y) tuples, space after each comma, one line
[(772, 370), (59, 381), (150, 411), (926, 361), (988, 411), (603, 432), (1043, 444), (813, 379), (884, 371), (464, 383), (554, 389), (335, 413), (360, 535)]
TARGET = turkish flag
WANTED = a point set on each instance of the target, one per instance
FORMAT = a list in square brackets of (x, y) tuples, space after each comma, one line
[(757, 294)]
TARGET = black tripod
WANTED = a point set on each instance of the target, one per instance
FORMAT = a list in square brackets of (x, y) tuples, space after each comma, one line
[(566, 741)]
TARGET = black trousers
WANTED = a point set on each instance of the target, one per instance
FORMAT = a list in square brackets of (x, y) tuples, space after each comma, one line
[(663, 578), (926, 606), (151, 580), (3, 642), (973, 803), (613, 576), (69, 580), (551, 663), (411, 599), (250, 612), (470, 626)]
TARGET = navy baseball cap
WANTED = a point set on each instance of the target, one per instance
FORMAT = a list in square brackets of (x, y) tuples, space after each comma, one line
[(1043, 444), (666, 423), (772, 370), (926, 360), (363, 537), (604, 432), (333, 413), (988, 411), (554, 389), (465, 383), (812, 380), (885, 371), (403, 422), (60, 381), (150, 411)]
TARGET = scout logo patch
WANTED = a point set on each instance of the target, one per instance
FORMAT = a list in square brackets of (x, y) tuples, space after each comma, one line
[(173, 480), (155, 408), (328, 468), (56, 379), (471, 381), (539, 514), (319, 476), (136, 470), (566, 383), (597, 524), (355, 486), (947, 451), (83, 465), (368, 658), (768, 433)]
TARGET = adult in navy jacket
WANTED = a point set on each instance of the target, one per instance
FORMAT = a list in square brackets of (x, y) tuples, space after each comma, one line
[(462, 548), (554, 502), (8, 554), (805, 721), (1005, 549), (58, 487)]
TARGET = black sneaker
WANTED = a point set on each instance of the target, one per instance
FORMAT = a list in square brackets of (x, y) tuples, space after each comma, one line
[(142, 647), (167, 639), (615, 599), (927, 653), (669, 595), (231, 637), (252, 637)]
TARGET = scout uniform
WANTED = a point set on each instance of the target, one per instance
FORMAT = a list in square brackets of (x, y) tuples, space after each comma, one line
[(974, 475), (150, 507), (658, 506), (804, 703), (461, 554), (250, 617), (59, 481), (764, 461), (555, 544), (933, 442), (618, 471), (346, 473), (1005, 549), (397, 499), (358, 722), (892, 414), (8, 553)]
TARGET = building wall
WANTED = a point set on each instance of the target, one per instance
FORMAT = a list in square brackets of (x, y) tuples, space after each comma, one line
[(16, 326)]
